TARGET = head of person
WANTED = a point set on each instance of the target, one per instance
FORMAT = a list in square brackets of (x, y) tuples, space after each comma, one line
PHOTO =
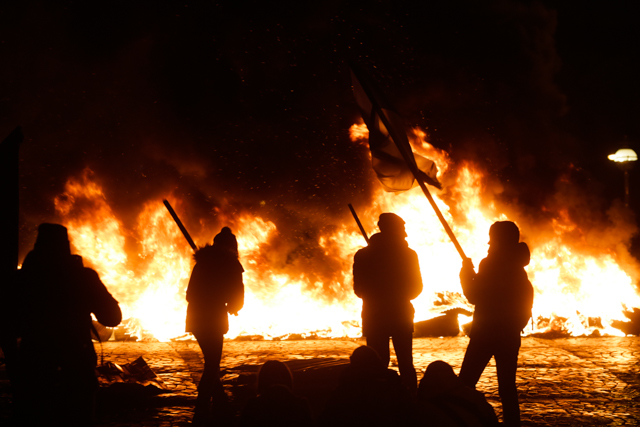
[(272, 373), (53, 240), (438, 378), (504, 235), (392, 225), (365, 360), (226, 241)]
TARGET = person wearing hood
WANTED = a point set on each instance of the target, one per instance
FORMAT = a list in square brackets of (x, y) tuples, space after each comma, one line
[(215, 290), (386, 275), (56, 298), (503, 298)]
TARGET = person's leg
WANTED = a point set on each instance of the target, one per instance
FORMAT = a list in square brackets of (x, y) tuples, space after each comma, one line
[(403, 346), (209, 385), (476, 357), (506, 364), (380, 343)]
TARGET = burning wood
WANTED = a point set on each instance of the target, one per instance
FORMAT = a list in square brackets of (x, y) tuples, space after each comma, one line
[(304, 287)]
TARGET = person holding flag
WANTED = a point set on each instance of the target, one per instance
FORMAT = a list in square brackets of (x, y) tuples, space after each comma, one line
[(503, 297)]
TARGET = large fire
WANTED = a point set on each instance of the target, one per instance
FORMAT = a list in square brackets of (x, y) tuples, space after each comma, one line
[(578, 289)]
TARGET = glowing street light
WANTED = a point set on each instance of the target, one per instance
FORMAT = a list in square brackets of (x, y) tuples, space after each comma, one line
[(625, 158)]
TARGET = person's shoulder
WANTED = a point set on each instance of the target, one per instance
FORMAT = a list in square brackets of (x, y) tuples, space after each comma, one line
[(89, 275), (372, 245), (205, 254), (411, 252)]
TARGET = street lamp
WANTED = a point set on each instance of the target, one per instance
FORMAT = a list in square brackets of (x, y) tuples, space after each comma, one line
[(625, 158)]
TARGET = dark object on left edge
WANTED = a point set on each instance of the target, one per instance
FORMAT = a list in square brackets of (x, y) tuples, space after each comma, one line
[(55, 298), (9, 234)]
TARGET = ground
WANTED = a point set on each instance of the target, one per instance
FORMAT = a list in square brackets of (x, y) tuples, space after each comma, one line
[(562, 382)]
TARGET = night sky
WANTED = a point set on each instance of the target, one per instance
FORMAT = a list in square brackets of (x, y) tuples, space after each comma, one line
[(246, 107)]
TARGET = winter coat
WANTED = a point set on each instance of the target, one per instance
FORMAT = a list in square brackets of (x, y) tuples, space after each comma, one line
[(386, 275), (57, 297), (501, 292), (215, 289)]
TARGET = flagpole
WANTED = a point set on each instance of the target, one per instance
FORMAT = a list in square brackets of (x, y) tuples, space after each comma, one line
[(444, 222), (410, 161)]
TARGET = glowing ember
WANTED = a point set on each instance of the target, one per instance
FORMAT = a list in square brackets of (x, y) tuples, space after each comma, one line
[(147, 268)]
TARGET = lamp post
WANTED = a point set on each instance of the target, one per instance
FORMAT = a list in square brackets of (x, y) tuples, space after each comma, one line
[(625, 158)]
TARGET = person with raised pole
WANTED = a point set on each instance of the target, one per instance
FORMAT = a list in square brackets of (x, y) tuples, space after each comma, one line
[(503, 297), (215, 289), (386, 275)]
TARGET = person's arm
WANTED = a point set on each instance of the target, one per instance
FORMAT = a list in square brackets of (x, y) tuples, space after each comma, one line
[(236, 297), (103, 305), (414, 276), (359, 275), (468, 278)]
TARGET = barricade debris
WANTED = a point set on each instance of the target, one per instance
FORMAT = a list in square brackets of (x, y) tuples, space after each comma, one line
[(136, 372), (632, 327), (446, 325)]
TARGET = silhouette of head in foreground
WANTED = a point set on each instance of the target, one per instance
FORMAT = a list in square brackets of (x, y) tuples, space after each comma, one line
[(274, 372), (391, 224)]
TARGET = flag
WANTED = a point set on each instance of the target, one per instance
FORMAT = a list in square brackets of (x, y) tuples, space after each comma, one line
[(392, 158)]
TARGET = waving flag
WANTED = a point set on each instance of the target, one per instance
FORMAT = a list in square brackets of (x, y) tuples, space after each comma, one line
[(397, 167), (392, 158)]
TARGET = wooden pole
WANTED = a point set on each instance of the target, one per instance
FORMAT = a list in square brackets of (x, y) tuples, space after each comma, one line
[(413, 167), (182, 228), (355, 216)]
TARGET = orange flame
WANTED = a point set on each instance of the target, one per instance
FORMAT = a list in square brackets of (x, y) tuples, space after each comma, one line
[(147, 267)]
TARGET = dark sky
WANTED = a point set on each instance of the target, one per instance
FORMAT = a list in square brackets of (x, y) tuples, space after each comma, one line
[(230, 104)]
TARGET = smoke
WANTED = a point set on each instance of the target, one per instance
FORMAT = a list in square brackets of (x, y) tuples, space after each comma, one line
[(244, 109)]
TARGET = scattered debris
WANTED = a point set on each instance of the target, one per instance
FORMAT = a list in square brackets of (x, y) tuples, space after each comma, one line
[(136, 372), (446, 325), (632, 327)]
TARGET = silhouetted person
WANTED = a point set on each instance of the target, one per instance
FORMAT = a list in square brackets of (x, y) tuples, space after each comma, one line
[(369, 394), (215, 289), (386, 275), (503, 297), (276, 403), (57, 359), (444, 401)]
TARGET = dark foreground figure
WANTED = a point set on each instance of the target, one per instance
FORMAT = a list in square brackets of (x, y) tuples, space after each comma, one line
[(386, 275), (55, 299), (444, 401), (503, 297), (369, 394), (276, 403), (215, 289)]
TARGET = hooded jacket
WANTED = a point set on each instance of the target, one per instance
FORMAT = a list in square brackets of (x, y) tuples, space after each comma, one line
[(501, 291), (386, 275), (215, 289)]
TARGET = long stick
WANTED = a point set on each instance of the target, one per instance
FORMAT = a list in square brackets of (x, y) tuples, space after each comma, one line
[(452, 236), (411, 163), (355, 216), (185, 233)]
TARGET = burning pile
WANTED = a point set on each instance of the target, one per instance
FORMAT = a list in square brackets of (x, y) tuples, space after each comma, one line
[(580, 285)]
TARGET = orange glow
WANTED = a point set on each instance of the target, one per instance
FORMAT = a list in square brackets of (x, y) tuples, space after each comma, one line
[(358, 132), (147, 266)]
